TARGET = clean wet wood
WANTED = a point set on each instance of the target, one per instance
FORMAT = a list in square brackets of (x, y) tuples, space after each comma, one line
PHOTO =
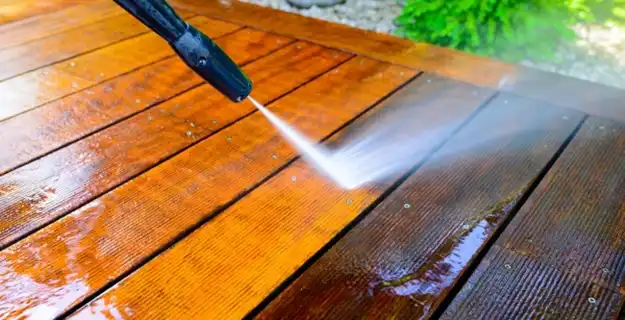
[(127, 183), (141, 216), (125, 149)]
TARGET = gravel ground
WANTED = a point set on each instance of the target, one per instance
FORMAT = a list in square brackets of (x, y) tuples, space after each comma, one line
[(599, 56)]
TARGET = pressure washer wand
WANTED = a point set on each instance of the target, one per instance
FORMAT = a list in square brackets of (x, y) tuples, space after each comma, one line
[(197, 50)]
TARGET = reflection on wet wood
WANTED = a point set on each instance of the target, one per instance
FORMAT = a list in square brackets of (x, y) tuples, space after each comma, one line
[(15, 10), (566, 247), (405, 256), (289, 218), (137, 216)]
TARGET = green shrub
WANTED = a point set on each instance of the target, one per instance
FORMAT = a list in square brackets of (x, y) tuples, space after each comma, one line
[(510, 30)]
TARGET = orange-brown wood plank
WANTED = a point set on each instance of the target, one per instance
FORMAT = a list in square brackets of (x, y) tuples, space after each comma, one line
[(403, 259), (40, 131), (35, 88), (32, 55), (588, 97), (148, 212), (563, 255), (56, 22), (233, 261), (14, 10), (50, 187)]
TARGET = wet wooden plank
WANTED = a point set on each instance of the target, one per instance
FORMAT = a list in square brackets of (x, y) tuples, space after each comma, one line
[(148, 212), (48, 188), (40, 131), (35, 88), (227, 266), (405, 256), (564, 253), (56, 22), (585, 96), (11, 11)]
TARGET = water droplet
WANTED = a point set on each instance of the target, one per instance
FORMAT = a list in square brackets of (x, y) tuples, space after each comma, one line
[(299, 46), (466, 227), (192, 124), (149, 118), (401, 74), (293, 178), (108, 89), (349, 201), (138, 101), (214, 121), (507, 266), (101, 74), (605, 270), (274, 156), (189, 133), (592, 300), (407, 205), (336, 71), (72, 64), (45, 73), (429, 81), (74, 84), (229, 138)]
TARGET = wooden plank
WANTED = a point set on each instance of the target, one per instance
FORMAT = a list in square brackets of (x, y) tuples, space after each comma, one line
[(139, 51), (41, 131), (563, 256), (146, 213), (35, 88), (30, 56), (56, 22), (261, 239), (585, 96), (405, 256), (130, 147), (11, 11)]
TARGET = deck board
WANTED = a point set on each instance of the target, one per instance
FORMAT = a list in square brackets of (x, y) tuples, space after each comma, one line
[(127, 148), (32, 134), (55, 22), (130, 188), (570, 234), (290, 217), (405, 256), (146, 213)]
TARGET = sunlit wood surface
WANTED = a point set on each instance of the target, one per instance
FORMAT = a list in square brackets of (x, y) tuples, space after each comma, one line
[(129, 188)]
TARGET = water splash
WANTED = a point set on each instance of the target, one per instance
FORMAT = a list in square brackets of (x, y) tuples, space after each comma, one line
[(366, 158)]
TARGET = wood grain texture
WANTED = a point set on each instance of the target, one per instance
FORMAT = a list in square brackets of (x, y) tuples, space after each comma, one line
[(148, 212), (585, 96), (96, 164), (227, 266), (564, 253), (11, 11), (56, 22), (405, 256), (35, 88)]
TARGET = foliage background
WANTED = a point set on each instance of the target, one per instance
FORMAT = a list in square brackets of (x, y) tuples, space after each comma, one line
[(510, 30)]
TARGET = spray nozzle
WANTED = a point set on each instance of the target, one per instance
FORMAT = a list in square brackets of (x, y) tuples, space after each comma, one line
[(197, 50)]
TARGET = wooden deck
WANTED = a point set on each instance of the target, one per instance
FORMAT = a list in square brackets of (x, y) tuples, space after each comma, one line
[(131, 189)]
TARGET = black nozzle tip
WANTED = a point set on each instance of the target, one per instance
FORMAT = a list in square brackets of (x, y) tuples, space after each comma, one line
[(207, 59)]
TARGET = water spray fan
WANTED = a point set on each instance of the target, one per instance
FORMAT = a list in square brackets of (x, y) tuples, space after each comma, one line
[(196, 49)]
